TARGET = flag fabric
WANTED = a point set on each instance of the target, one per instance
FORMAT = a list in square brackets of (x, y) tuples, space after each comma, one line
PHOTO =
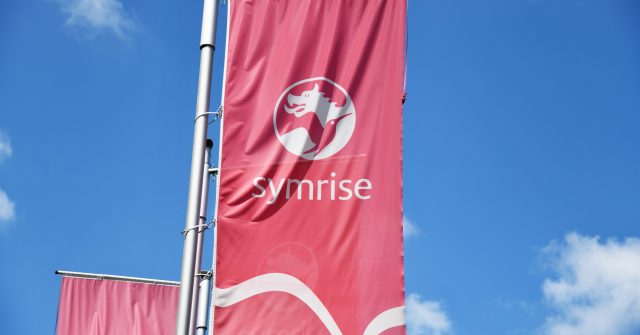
[(109, 307), (309, 227)]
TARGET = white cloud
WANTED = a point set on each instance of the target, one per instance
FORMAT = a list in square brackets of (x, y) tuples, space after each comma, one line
[(7, 208), (91, 17), (597, 289), (425, 317), (409, 229), (5, 147)]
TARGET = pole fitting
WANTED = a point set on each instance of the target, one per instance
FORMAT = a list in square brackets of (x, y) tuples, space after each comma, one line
[(205, 274), (217, 114), (199, 226), (209, 18)]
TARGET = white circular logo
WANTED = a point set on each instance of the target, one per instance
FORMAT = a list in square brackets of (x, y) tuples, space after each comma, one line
[(314, 118)]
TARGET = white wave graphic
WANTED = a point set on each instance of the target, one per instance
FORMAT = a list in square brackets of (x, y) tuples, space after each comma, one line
[(393, 317), (277, 282), (281, 282)]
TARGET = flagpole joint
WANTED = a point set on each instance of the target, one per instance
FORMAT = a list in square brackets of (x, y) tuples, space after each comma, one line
[(204, 227), (205, 274)]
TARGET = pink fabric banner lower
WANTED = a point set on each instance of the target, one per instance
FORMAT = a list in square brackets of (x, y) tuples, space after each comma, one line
[(108, 307), (309, 227)]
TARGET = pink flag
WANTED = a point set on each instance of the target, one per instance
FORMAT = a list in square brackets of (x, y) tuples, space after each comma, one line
[(309, 235), (109, 307)]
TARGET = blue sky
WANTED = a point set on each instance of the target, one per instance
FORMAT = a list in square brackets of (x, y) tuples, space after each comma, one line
[(521, 157)]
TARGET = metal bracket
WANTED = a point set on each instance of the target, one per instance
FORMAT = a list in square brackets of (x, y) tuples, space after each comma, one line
[(205, 275), (213, 171), (203, 114), (216, 115), (211, 223), (184, 232), (204, 227)]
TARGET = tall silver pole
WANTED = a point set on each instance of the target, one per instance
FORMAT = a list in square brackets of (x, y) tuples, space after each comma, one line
[(202, 221), (207, 46)]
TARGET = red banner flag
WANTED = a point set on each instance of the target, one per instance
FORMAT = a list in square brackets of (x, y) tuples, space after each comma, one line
[(109, 307), (309, 232)]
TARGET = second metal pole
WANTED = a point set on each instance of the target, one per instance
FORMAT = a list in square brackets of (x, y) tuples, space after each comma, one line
[(202, 222), (207, 46)]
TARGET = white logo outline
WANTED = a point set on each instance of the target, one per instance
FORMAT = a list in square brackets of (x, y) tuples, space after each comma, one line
[(342, 138)]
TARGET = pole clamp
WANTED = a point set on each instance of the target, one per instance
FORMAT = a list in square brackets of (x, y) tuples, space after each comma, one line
[(211, 223), (205, 275), (216, 115), (204, 227)]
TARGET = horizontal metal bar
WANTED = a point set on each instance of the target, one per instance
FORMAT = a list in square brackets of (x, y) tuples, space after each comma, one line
[(120, 278)]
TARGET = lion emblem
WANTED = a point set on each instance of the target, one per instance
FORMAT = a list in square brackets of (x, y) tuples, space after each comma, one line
[(313, 126)]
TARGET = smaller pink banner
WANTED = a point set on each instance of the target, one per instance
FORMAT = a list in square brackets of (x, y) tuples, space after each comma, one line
[(108, 307)]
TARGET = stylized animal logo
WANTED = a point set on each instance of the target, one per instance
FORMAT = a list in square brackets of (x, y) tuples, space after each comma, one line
[(319, 127)]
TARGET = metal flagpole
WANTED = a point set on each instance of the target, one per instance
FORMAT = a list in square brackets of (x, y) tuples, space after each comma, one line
[(207, 47), (100, 276), (202, 226)]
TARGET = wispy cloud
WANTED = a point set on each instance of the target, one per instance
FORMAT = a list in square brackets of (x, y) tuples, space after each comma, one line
[(425, 317), (409, 229), (597, 286), (7, 209), (5, 146), (92, 17)]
